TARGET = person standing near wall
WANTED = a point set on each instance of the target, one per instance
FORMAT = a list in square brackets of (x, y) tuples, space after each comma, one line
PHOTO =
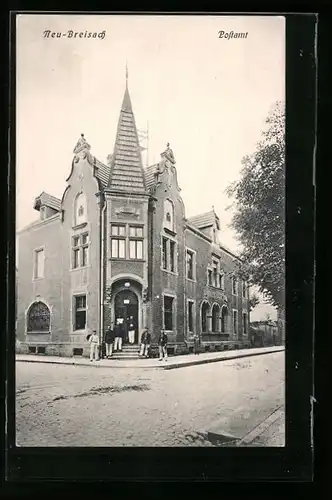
[(145, 343), (109, 339), (196, 344), (94, 346), (163, 346)]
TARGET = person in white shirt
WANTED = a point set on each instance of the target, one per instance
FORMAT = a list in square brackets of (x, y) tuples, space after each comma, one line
[(131, 330), (94, 346)]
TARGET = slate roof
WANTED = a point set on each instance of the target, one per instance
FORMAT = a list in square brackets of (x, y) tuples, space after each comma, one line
[(45, 199), (149, 175), (127, 172), (103, 172), (204, 220)]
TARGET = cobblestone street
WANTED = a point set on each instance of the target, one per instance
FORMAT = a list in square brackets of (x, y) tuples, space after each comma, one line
[(82, 406)]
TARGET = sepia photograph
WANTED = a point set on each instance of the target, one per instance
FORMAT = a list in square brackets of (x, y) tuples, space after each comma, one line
[(150, 230)]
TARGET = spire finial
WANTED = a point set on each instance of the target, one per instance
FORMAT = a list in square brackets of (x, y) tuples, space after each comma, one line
[(168, 154), (126, 74)]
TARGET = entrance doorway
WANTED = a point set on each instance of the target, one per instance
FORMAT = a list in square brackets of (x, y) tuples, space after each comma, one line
[(126, 305)]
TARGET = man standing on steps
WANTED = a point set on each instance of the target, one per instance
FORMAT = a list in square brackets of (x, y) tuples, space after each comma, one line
[(131, 330), (118, 335)]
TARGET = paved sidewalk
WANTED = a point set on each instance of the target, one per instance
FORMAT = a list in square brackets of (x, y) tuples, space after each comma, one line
[(173, 361)]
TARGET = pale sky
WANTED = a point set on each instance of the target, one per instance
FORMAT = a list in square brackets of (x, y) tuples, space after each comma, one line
[(205, 95)]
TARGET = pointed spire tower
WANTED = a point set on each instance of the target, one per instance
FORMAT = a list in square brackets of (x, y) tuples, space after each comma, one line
[(127, 174)]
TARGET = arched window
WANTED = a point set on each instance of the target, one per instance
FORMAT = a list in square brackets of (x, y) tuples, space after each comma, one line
[(169, 215), (80, 209), (215, 318), (224, 319), (38, 318), (205, 317)]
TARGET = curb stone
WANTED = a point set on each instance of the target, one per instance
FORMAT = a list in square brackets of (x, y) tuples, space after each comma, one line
[(170, 365), (216, 434)]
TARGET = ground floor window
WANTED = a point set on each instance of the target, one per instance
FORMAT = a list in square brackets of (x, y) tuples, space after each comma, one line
[(224, 318), (215, 318), (245, 323), (205, 311), (38, 318), (235, 321), (168, 312), (80, 312), (190, 316)]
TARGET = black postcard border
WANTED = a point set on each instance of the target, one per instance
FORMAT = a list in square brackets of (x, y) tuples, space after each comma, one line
[(295, 461)]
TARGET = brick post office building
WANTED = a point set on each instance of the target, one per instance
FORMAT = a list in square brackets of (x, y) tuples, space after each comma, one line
[(117, 244)]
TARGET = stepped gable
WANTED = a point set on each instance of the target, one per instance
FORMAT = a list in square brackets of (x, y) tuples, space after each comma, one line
[(127, 174)]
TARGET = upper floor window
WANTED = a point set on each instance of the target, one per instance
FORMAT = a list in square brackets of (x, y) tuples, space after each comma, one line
[(164, 253), (136, 231), (135, 249), (39, 258), (80, 209), (191, 265), (244, 289), (118, 230), (80, 250), (215, 273), (234, 285), (169, 215), (126, 241), (135, 242), (168, 250)]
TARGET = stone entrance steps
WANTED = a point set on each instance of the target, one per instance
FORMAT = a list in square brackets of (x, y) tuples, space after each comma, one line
[(128, 352)]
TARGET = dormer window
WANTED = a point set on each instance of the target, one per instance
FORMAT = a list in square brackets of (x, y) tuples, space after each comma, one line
[(168, 217), (81, 211)]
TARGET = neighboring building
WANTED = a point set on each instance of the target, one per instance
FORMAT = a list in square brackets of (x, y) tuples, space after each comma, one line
[(118, 244), (265, 333), (281, 325)]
